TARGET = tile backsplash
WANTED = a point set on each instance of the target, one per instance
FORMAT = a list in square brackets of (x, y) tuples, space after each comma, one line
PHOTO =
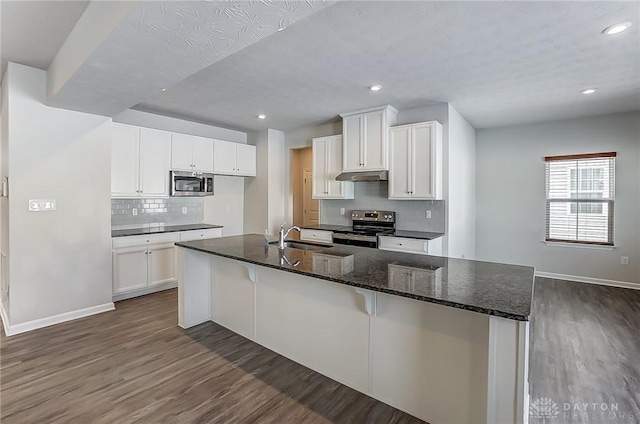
[(156, 211), (410, 214)]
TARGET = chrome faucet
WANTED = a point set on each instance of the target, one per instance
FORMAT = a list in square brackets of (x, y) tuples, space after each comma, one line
[(282, 235)]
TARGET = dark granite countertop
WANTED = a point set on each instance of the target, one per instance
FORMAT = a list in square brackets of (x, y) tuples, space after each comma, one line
[(484, 287), (161, 229)]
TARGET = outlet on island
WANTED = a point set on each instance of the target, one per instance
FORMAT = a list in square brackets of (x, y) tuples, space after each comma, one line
[(427, 214)]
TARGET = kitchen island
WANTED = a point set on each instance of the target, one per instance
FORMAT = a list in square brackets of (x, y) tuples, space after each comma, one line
[(443, 339)]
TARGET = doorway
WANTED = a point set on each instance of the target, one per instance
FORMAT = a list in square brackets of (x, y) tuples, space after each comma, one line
[(306, 210), (310, 206)]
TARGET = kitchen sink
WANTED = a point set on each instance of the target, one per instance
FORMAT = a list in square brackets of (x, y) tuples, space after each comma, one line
[(302, 245)]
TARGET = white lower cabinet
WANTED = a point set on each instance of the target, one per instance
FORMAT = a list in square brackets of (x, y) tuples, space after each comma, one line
[(130, 269), (139, 267), (144, 264), (410, 245), (316, 235)]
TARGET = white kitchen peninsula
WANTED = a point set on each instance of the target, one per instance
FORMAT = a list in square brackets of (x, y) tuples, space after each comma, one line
[(443, 339)]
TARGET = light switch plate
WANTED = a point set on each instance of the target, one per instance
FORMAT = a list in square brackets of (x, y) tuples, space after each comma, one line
[(42, 205)]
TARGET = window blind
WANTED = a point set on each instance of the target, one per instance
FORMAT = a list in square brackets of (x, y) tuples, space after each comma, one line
[(580, 198)]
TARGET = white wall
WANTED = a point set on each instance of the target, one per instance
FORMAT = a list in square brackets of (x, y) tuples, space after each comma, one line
[(226, 205), (264, 194), (256, 190), (462, 187), (150, 120), (510, 197), (276, 172), (4, 202), (59, 261)]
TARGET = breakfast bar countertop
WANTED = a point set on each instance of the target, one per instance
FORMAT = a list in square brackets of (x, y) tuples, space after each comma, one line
[(484, 287)]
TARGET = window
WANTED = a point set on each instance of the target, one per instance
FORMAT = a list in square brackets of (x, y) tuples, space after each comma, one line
[(580, 198)]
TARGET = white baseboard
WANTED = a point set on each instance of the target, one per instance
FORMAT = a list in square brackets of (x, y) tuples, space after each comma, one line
[(590, 280), (12, 330), (144, 291), (5, 318)]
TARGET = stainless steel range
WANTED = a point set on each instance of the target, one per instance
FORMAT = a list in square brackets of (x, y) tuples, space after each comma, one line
[(365, 228)]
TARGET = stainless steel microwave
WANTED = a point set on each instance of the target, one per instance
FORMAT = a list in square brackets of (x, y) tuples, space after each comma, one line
[(184, 183)]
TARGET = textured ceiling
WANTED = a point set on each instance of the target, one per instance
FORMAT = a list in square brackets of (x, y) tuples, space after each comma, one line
[(498, 63), (33, 31), (159, 43), (223, 61)]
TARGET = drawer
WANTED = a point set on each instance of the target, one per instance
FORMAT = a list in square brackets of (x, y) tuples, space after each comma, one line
[(119, 242), (200, 234), (316, 235), (400, 244)]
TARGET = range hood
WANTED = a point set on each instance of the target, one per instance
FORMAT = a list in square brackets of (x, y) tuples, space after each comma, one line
[(364, 176)]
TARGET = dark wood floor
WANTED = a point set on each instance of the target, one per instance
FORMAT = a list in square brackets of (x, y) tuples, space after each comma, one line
[(585, 349), (136, 365)]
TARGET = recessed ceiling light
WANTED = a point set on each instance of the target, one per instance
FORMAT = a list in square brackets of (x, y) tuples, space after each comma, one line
[(164, 89), (375, 87), (589, 91), (617, 28), (262, 116)]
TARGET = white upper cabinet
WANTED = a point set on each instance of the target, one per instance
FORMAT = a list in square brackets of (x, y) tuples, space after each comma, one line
[(415, 163), (327, 164), (155, 158), (139, 161), (224, 157), (191, 153), (125, 160), (246, 160), (366, 138), (234, 158)]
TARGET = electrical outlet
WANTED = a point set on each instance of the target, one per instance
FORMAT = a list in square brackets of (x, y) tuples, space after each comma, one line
[(42, 205), (134, 211), (184, 210), (341, 211), (427, 214), (624, 260)]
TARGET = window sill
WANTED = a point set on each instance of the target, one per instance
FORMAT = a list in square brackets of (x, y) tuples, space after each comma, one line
[(578, 245)]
